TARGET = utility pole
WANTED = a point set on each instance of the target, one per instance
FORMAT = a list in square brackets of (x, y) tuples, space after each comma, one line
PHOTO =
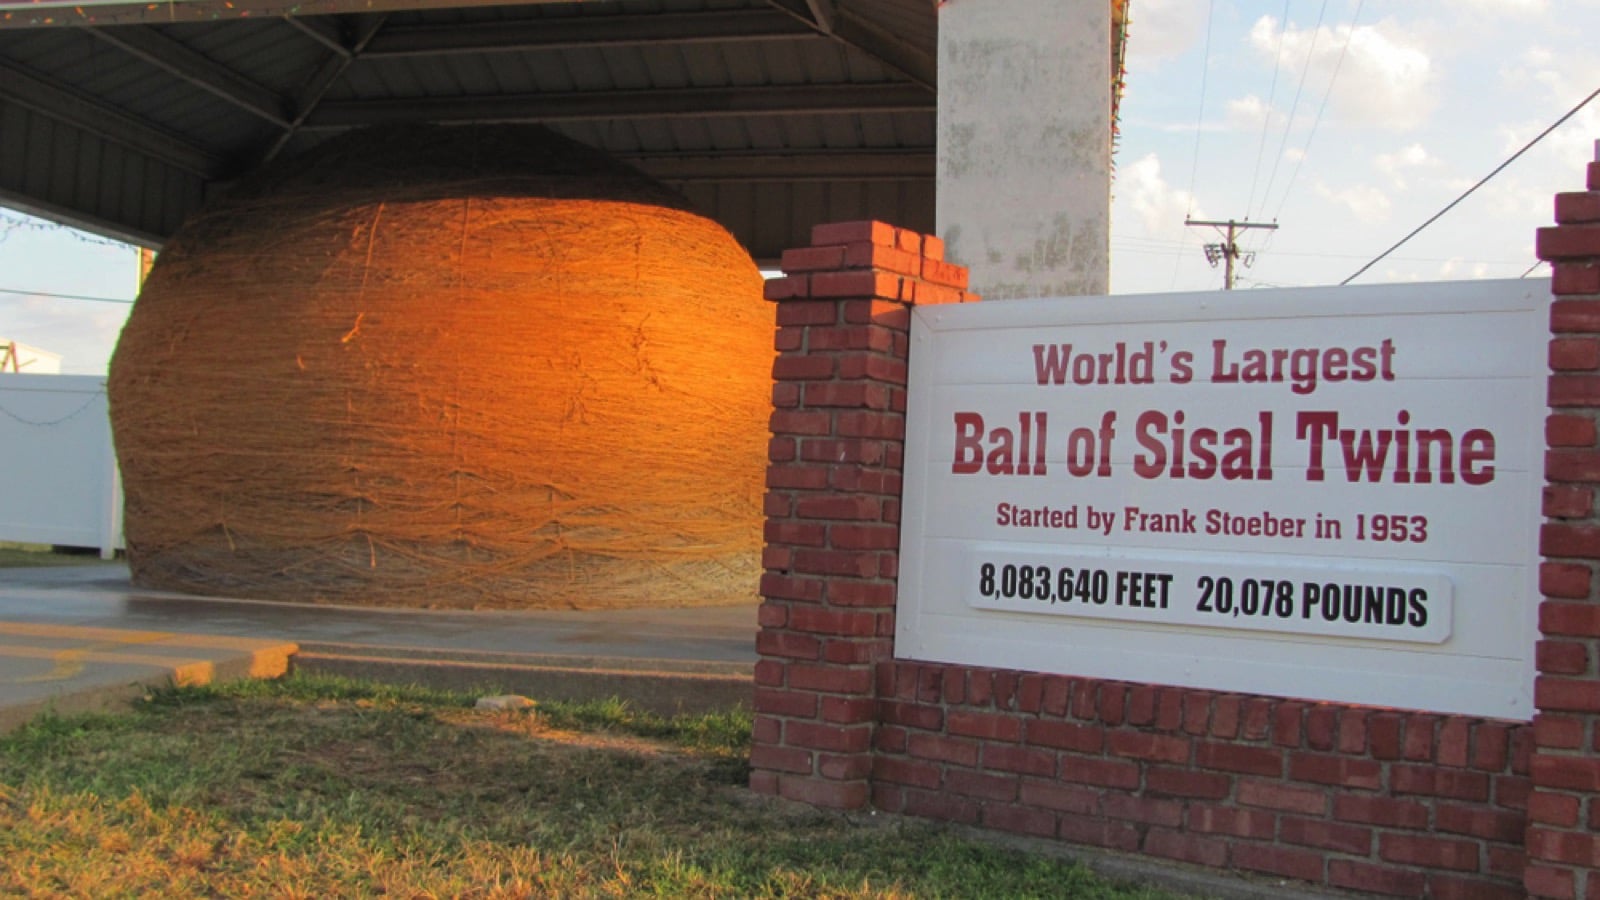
[(1228, 251)]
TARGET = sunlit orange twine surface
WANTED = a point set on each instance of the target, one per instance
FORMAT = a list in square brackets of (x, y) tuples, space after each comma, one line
[(454, 368)]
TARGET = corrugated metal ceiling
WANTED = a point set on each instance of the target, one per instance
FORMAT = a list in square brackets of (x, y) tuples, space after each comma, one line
[(772, 114)]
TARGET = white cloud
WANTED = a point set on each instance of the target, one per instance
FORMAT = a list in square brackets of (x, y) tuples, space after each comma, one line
[(1505, 7), (83, 334), (1366, 203), (1384, 80), (1396, 165), (1553, 83), (1248, 113), (1185, 127), (1160, 30), (36, 255), (1159, 206), (1459, 269), (1538, 57), (1509, 197)]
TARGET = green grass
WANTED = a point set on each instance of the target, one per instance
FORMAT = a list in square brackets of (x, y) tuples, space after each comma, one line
[(314, 787)]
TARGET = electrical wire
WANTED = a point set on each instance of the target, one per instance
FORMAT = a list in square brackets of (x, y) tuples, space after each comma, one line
[(1294, 107), (1200, 117), (1481, 182), (54, 296), (1199, 122), (1321, 108), (1155, 245), (1266, 117)]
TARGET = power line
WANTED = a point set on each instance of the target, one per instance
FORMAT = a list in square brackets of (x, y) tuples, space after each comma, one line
[(1481, 182), (1266, 116), (1258, 283), (54, 296), (1152, 245), (1199, 121), (1200, 117), (1294, 107), (1321, 108)]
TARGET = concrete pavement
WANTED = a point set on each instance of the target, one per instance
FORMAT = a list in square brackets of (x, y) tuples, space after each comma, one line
[(82, 638), (67, 669)]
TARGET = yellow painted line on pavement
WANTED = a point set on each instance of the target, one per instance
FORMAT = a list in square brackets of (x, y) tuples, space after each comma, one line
[(68, 663), (268, 659), (126, 636), (69, 660), (185, 672)]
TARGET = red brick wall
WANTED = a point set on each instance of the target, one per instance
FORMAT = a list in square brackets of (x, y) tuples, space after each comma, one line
[(1563, 840), (1386, 801), (833, 501)]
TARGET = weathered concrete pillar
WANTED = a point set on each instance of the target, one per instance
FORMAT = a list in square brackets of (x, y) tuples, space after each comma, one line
[(1024, 171)]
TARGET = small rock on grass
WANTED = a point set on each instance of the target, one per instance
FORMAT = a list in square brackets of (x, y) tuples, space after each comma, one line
[(505, 702)]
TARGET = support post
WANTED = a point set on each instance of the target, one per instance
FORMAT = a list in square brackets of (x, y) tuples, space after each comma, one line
[(1563, 836), (833, 501), (1024, 145)]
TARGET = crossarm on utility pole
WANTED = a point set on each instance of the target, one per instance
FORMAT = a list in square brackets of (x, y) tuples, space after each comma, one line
[(1229, 250)]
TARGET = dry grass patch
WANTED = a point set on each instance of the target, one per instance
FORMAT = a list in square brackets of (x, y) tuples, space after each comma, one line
[(318, 788)]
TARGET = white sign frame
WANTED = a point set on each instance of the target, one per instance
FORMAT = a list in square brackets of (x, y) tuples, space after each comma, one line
[(1466, 357)]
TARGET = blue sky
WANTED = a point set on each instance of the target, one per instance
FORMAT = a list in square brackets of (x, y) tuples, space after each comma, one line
[(1349, 122), (35, 256)]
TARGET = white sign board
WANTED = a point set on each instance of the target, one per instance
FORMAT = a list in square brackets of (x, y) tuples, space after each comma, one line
[(1327, 493)]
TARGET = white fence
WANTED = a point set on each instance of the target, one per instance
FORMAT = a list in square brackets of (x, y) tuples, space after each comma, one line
[(58, 475)]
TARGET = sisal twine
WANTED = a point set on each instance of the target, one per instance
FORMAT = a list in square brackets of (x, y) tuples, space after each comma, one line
[(458, 368)]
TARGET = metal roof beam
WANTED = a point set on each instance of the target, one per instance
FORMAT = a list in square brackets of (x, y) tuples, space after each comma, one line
[(829, 18), (323, 79), (912, 164), (81, 220), (900, 55), (197, 69), (587, 31), (822, 12), (75, 108), (651, 104), (71, 13), (321, 30)]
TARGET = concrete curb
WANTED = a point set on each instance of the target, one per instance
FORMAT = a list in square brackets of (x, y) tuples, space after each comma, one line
[(661, 686), (88, 694)]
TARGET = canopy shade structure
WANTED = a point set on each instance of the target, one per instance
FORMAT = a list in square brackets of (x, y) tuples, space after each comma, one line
[(771, 115)]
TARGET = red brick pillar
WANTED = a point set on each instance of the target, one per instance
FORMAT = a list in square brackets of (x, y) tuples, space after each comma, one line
[(1563, 837), (833, 501)]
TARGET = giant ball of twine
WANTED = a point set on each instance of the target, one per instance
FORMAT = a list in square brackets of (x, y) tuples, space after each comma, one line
[(450, 368)]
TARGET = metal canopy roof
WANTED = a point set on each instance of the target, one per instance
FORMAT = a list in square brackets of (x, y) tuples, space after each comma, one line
[(772, 115)]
